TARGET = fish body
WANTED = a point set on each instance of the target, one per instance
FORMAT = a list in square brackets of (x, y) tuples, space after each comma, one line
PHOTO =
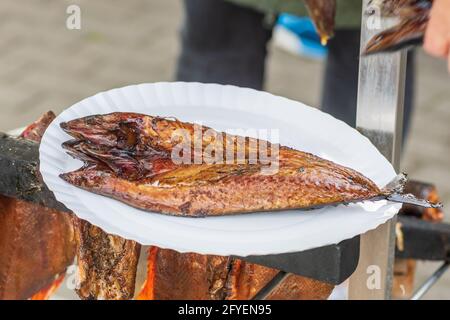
[(189, 276), (106, 264), (36, 243), (184, 276), (413, 18), (128, 157)]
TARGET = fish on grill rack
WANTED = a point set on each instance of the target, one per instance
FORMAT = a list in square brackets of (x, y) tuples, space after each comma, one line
[(36, 243), (106, 263), (130, 157), (190, 276)]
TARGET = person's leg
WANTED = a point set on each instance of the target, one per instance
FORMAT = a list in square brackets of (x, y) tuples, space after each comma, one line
[(409, 93), (222, 43), (340, 85)]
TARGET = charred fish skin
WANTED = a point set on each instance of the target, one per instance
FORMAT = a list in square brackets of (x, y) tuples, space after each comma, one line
[(107, 264), (154, 183)]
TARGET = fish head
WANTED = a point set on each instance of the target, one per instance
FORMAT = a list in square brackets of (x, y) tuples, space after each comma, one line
[(112, 130), (105, 158)]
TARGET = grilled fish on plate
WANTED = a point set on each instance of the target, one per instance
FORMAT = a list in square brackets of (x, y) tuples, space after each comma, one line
[(132, 158)]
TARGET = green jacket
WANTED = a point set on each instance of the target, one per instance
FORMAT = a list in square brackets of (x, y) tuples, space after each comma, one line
[(348, 13)]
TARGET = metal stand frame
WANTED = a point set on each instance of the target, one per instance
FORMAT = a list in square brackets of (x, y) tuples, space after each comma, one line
[(379, 118), (431, 281)]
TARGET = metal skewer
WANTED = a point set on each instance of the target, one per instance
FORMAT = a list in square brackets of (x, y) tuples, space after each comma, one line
[(431, 281)]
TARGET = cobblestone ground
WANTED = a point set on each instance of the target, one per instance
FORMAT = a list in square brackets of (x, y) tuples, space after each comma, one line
[(43, 66)]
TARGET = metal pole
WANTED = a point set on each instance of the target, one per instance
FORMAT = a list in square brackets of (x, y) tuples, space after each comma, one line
[(431, 281), (271, 286), (379, 117)]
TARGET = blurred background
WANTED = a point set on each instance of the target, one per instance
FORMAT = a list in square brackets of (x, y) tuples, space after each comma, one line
[(44, 66)]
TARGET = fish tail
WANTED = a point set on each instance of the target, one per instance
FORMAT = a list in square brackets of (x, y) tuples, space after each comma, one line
[(396, 185)]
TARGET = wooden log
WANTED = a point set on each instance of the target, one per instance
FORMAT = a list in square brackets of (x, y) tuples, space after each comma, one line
[(19, 173)]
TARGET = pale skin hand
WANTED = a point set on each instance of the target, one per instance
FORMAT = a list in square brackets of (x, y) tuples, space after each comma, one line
[(437, 35)]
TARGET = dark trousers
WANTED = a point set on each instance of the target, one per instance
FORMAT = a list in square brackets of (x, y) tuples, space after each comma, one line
[(225, 43)]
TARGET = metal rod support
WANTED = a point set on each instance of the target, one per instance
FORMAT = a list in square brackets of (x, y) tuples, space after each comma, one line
[(431, 281), (271, 286)]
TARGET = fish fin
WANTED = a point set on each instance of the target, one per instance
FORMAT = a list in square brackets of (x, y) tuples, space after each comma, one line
[(393, 191), (396, 185)]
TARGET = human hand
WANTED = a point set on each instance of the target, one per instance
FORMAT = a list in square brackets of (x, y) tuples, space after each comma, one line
[(437, 35)]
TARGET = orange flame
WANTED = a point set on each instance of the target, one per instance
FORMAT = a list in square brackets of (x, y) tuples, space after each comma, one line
[(147, 292), (45, 293)]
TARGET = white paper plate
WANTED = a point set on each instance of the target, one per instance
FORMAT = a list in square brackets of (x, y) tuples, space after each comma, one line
[(225, 108)]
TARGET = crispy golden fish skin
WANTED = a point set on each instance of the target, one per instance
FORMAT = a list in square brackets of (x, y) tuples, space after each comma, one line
[(301, 181)]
